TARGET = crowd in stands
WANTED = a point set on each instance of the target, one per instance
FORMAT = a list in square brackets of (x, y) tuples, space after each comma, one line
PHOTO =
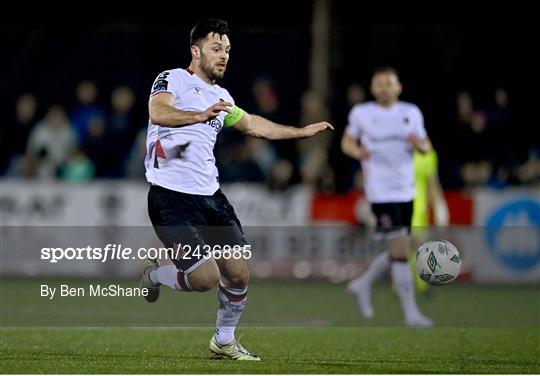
[(101, 137)]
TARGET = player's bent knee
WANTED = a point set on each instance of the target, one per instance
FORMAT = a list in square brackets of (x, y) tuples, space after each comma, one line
[(204, 282), (205, 277), (239, 279), (400, 246)]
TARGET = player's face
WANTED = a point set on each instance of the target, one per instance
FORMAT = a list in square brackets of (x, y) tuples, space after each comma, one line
[(385, 87), (215, 55)]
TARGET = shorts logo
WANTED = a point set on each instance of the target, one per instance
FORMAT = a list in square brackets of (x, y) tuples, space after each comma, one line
[(386, 220), (197, 91)]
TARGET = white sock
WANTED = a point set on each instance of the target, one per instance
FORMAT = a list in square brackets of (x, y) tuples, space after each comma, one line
[(232, 303), (376, 269), (403, 281), (168, 275)]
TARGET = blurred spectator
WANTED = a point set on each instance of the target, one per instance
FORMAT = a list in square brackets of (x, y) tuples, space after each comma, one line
[(100, 146), (327, 181), (78, 168), (135, 162), (268, 104), (503, 137), (473, 153), (122, 102), (529, 172), (355, 94), (262, 153), (475, 149), (50, 143), (87, 110), (25, 117), (344, 167), (120, 128), (236, 164), (266, 98), (314, 150), (352, 95), (14, 136), (280, 175)]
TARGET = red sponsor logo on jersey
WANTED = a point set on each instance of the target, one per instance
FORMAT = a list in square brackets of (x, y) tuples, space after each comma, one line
[(159, 150)]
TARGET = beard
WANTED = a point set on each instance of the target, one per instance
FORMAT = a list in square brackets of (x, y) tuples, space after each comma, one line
[(387, 98), (212, 72)]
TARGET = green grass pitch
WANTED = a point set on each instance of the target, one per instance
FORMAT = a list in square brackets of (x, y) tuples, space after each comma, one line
[(294, 327)]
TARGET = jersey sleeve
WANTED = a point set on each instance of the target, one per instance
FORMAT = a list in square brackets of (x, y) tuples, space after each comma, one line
[(354, 127), (227, 97), (418, 123), (167, 82)]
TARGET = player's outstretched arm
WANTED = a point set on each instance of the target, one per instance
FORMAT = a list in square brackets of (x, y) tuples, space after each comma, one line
[(257, 126), (163, 113)]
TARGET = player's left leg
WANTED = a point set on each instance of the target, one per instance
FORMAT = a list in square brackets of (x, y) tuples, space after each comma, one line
[(229, 238), (232, 298)]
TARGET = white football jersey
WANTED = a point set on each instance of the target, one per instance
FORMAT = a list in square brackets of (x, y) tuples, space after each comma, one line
[(389, 170), (182, 158)]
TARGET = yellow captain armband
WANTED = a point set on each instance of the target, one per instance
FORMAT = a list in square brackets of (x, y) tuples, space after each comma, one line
[(234, 117)]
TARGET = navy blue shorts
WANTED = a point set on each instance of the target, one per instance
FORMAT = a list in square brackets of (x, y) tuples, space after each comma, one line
[(393, 218), (193, 225)]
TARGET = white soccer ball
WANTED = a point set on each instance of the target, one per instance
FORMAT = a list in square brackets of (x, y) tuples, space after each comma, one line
[(438, 262)]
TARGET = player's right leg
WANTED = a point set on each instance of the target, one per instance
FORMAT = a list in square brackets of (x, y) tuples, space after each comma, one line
[(400, 246), (360, 287), (177, 220)]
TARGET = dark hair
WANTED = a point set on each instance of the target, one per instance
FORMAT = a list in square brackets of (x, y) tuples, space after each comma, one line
[(385, 69), (210, 25)]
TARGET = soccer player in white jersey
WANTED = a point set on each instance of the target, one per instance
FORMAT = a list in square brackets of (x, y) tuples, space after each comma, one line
[(188, 211), (382, 135)]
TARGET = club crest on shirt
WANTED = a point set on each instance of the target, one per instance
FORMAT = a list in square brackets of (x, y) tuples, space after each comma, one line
[(180, 150)]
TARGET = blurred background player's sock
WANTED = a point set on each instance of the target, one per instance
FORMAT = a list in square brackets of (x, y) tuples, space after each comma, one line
[(232, 303), (361, 286), (376, 269), (403, 282), (168, 275)]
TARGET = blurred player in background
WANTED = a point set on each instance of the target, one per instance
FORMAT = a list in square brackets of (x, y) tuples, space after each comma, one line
[(189, 212), (383, 135)]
